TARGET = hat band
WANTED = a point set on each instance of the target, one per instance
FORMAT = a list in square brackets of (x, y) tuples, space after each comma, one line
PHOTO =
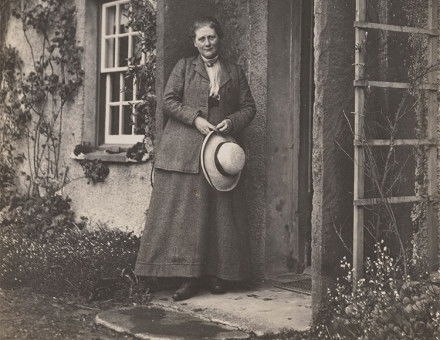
[(217, 163)]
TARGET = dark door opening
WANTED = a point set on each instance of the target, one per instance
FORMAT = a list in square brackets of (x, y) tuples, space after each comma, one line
[(289, 138)]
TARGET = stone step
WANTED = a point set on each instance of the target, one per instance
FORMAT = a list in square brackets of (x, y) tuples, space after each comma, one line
[(148, 322), (236, 314)]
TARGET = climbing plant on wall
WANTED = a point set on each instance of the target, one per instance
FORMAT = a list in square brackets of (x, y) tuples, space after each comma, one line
[(37, 98), (142, 19), (13, 121)]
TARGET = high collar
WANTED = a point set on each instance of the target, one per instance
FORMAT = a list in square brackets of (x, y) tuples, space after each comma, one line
[(199, 67), (209, 62)]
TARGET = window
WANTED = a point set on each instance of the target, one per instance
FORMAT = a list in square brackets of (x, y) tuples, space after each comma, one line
[(120, 48)]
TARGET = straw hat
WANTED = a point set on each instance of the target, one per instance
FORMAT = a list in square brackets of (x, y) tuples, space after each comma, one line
[(222, 160)]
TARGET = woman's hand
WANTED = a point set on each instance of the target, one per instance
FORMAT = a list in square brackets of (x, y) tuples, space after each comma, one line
[(204, 126), (224, 126)]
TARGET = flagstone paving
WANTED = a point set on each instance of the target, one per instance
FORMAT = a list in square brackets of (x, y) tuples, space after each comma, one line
[(232, 315), (147, 322)]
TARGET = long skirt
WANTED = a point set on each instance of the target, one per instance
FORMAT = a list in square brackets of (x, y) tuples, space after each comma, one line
[(192, 230)]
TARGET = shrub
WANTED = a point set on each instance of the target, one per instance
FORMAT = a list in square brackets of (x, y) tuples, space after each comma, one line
[(384, 305), (39, 217), (71, 261), (43, 246)]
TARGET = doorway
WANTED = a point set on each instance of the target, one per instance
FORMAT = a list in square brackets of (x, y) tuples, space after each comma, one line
[(289, 137)]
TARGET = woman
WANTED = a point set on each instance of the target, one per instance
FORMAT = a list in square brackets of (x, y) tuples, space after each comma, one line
[(192, 230)]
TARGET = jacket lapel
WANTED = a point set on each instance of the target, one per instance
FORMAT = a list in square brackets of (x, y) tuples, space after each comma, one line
[(199, 67), (224, 72)]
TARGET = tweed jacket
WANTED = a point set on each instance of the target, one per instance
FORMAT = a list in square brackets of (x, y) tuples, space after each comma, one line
[(185, 97)]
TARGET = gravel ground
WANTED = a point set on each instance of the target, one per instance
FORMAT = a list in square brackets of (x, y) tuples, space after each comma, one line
[(27, 315)]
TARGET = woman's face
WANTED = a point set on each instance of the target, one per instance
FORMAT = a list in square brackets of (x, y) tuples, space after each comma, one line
[(207, 42)]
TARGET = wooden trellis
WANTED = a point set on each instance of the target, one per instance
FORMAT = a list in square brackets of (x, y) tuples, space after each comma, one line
[(360, 140)]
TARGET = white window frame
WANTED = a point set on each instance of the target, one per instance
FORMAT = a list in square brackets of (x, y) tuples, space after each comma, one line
[(119, 138)]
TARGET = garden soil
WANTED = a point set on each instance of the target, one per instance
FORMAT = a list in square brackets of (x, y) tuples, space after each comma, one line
[(27, 315)]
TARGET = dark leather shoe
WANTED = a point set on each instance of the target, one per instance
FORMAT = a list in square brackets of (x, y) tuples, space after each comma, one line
[(188, 289), (218, 286)]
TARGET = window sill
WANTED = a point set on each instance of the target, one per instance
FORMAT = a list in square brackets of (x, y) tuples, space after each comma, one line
[(113, 148), (109, 157)]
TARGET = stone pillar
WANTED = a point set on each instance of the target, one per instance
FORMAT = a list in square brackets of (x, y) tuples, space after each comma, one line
[(332, 139)]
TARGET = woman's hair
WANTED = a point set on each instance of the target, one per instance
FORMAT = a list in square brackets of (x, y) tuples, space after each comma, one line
[(205, 21)]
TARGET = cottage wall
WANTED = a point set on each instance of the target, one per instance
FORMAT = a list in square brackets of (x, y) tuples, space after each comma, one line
[(120, 201), (124, 196)]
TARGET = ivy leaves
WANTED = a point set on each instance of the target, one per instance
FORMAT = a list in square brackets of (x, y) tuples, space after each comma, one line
[(142, 18)]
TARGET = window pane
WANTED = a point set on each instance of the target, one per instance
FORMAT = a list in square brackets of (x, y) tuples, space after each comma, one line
[(110, 14), (123, 51), (114, 120), (109, 52), (115, 87), (123, 23), (128, 120), (128, 88), (137, 50)]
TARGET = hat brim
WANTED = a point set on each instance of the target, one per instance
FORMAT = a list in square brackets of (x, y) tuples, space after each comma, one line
[(217, 180)]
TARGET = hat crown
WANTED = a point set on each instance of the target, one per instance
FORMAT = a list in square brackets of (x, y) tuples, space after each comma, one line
[(231, 157), (222, 160)]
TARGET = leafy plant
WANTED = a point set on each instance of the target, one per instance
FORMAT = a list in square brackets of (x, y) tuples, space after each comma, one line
[(82, 148), (75, 261), (35, 100), (385, 304), (39, 217), (12, 124), (95, 170), (32, 105), (137, 151), (142, 18)]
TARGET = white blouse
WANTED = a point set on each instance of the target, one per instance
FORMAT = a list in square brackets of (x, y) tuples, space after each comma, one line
[(214, 76)]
